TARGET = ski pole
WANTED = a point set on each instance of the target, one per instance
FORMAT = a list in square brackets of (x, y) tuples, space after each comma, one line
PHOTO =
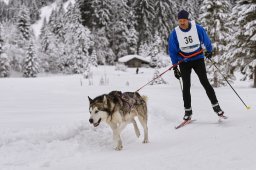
[(174, 65), (247, 107)]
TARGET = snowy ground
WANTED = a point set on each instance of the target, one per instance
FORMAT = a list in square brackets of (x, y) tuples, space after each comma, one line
[(44, 125)]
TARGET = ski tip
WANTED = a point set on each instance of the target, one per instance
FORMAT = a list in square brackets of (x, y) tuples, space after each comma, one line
[(184, 123)]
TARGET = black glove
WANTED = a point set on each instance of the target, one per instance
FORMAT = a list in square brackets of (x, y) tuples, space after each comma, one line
[(208, 55), (176, 72)]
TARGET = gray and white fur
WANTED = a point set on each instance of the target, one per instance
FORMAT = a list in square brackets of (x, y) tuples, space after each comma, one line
[(118, 109)]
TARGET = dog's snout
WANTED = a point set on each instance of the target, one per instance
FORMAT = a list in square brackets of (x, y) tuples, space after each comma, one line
[(91, 120)]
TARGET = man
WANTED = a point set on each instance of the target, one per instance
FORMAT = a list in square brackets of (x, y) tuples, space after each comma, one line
[(185, 42)]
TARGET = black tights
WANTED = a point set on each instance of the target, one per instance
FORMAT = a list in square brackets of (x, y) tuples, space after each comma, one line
[(199, 68)]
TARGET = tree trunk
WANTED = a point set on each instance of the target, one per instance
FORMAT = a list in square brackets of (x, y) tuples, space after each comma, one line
[(254, 85)]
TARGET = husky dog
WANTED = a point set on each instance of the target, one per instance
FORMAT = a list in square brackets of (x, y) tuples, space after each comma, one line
[(118, 109)]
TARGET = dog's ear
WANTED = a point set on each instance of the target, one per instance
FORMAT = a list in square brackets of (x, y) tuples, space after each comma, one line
[(90, 100), (105, 102)]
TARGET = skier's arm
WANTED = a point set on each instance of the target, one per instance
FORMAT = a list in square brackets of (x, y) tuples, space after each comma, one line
[(204, 38), (173, 47)]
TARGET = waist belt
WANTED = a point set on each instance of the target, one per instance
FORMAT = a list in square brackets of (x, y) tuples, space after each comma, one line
[(191, 55)]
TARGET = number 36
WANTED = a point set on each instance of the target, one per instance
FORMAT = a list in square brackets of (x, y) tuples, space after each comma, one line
[(188, 39)]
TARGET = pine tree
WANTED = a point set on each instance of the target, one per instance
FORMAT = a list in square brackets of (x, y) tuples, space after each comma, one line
[(87, 11), (165, 20), (3, 11), (30, 67), (153, 61), (159, 80), (242, 41), (24, 23), (101, 12), (77, 41), (105, 54), (14, 47), (4, 65), (192, 7), (58, 28), (132, 40), (118, 29), (93, 59), (1, 38), (4, 61), (213, 15), (145, 13), (154, 50), (49, 49)]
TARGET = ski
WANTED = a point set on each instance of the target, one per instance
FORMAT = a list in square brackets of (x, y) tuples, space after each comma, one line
[(222, 117), (185, 122)]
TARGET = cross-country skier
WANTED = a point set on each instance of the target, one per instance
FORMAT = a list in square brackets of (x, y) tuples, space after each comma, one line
[(186, 41)]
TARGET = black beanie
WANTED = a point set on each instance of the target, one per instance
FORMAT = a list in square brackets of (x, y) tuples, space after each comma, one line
[(183, 14)]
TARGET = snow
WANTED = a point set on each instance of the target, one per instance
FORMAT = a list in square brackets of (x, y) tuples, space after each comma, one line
[(44, 125), (129, 57)]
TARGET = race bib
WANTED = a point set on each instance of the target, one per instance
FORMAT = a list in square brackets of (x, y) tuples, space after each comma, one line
[(188, 41)]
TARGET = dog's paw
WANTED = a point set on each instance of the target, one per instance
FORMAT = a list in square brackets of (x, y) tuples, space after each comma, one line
[(138, 134), (118, 148), (145, 141)]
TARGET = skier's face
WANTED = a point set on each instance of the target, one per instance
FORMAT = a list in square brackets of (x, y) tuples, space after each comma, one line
[(183, 23)]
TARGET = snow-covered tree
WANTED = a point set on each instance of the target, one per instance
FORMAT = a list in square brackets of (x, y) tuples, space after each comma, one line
[(191, 6), (213, 16), (4, 65), (93, 59), (3, 11), (87, 11), (44, 36), (158, 80), (57, 22), (1, 38), (165, 19), (101, 14), (14, 49), (30, 66), (78, 41), (49, 49), (242, 41), (144, 50), (4, 61), (24, 23), (104, 53), (132, 40), (154, 50), (145, 13), (153, 61), (120, 31), (21, 37)]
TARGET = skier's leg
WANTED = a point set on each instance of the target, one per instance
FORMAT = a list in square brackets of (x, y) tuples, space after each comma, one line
[(200, 70), (185, 70)]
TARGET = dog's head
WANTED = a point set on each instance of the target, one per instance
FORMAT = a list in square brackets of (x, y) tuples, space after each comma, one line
[(98, 110)]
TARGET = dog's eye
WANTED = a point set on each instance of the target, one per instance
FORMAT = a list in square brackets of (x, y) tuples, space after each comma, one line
[(96, 111)]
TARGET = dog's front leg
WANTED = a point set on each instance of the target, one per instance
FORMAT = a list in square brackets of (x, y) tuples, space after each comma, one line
[(116, 136)]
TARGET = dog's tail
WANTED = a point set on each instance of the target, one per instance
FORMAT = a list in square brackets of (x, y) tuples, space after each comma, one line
[(145, 98)]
